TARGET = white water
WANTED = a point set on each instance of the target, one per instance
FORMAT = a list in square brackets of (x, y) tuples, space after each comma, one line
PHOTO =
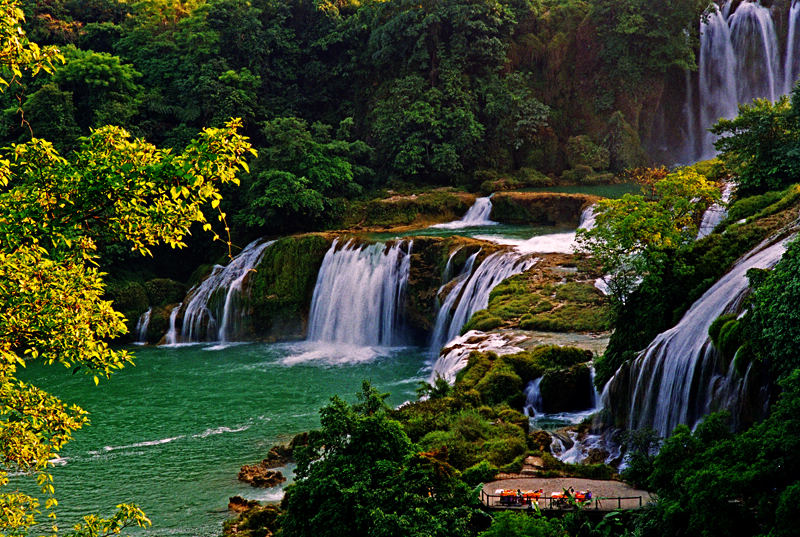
[(680, 377), (791, 66), (141, 326), (715, 214), (444, 316), (455, 355), (172, 334), (472, 293), (554, 243), (360, 293), (477, 215), (717, 77), (209, 317), (533, 398), (740, 60)]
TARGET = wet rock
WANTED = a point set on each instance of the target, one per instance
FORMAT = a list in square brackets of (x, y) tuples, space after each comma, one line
[(237, 504), (259, 475)]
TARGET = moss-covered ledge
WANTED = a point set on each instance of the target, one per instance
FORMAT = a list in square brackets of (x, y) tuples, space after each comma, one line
[(540, 208)]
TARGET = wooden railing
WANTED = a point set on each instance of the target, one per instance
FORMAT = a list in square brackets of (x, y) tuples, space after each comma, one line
[(603, 503)]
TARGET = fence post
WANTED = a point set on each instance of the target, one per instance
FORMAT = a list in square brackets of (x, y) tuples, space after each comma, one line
[(619, 502), (640, 501)]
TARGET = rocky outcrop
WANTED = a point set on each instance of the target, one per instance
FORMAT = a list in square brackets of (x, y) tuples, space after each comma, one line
[(540, 208), (259, 475), (282, 285), (237, 504)]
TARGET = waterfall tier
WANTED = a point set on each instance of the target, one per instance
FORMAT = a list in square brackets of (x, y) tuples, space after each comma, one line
[(477, 215), (213, 309), (360, 293), (141, 326), (740, 60), (681, 377), (471, 292)]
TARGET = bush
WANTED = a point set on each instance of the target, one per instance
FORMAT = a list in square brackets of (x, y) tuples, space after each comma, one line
[(479, 473), (582, 151)]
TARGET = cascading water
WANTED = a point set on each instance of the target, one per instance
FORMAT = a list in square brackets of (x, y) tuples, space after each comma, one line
[(740, 60), (680, 377), (791, 66), (444, 316), (473, 293), (142, 325), (359, 295), (171, 338), (717, 79), (533, 398), (477, 215), (207, 315), (755, 45), (715, 214)]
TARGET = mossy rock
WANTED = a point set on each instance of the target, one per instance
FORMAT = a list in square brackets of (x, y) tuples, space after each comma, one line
[(540, 208), (282, 285), (257, 521), (501, 384), (582, 151), (482, 320), (491, 181), (624, 145), (570, 318), (436, 206), (129, 298), (161, 291), (567, 390)]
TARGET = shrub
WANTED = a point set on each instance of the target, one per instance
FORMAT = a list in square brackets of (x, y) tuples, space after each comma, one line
[(481, 472)]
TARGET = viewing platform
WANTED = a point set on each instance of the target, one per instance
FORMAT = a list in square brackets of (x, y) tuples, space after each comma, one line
[(547, 495)]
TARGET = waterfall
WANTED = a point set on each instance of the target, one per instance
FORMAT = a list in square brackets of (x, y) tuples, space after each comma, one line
[(553, 243), (533, 398), (141, 326), (359, 295), (472, 293), (755, 45), (716, 213), (679, 377), (477, 215), (717, 77), (172, 334), (444, 317), (209, 317), (791, 66), (740, 60)]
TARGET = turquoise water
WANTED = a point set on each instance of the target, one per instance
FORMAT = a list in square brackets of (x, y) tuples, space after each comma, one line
[(500, 231), (171, 433), (606, 191)]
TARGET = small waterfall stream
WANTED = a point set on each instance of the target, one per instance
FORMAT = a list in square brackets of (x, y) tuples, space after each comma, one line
[(680, 377), (715, 214), (533, 398), (471, 292), (141, 326), (359, 295), (209, 317), (477, 215), (171, 338)]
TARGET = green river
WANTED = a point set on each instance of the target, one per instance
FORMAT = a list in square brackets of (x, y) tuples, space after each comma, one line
[(171, 432)]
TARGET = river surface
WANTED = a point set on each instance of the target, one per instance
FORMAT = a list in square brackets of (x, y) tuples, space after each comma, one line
[(171, 432)]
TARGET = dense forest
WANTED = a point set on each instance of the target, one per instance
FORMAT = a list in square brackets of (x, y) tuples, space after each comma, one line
[(309, 111), (344, 98)]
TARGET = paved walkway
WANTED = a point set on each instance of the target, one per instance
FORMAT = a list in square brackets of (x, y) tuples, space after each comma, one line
[(599, 489)]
